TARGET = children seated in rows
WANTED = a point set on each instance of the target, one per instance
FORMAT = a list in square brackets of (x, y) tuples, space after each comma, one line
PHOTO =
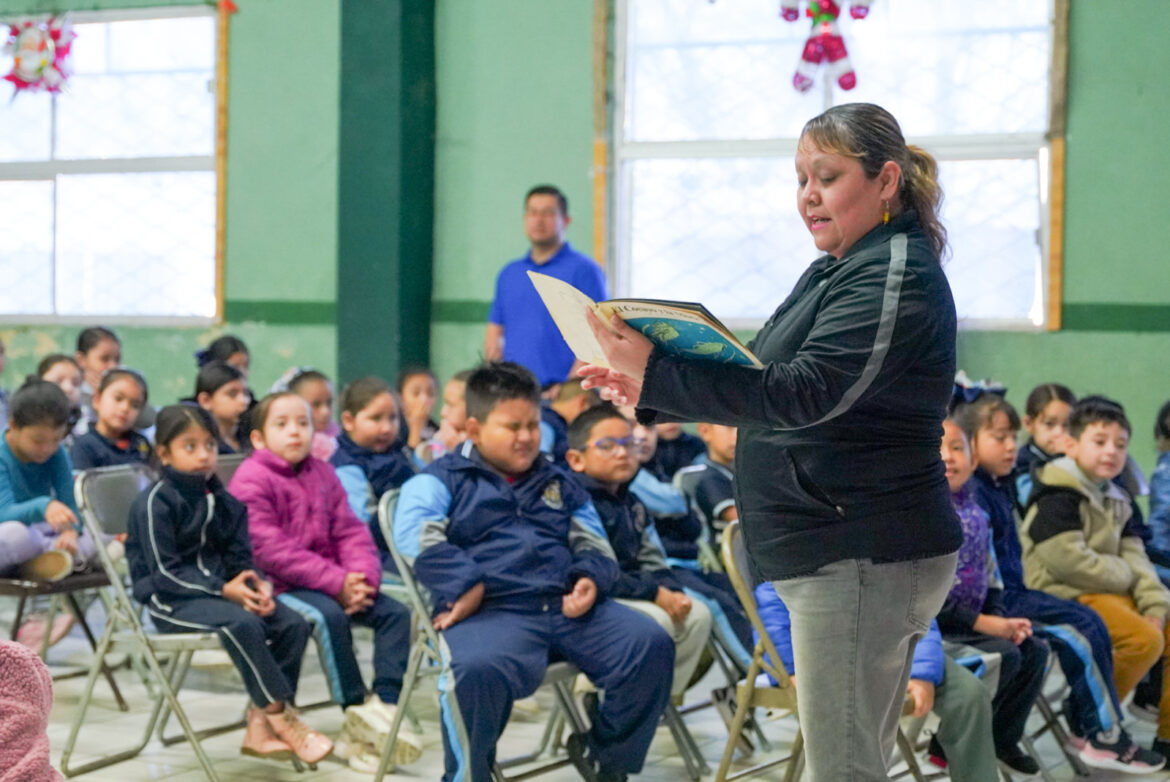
[(602, 453), (453, 416), (710, 482), (1080, 543), (111, 439), (220, 390), (973, 614), (316, 388), (323, 564), (1076, 634), (191, 563), (366, 461), (98, 351), (40, 535), (418, 389), (517, 562), (557, 415), (1046, 422), (937, 683), (229, 349)]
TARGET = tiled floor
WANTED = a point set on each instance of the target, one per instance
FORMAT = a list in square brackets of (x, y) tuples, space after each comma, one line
[(214, 695)]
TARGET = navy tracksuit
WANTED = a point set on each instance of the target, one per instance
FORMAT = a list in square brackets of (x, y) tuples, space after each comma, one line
[(527, 541), (1075, 632), (187, 538)]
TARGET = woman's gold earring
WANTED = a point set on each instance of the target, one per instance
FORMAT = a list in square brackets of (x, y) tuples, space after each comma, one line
[(886, 214)]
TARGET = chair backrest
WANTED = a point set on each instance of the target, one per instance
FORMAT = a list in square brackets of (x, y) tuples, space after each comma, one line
[(107, 494), (735, 561), (225, 466), (416, 593), (686, 480)]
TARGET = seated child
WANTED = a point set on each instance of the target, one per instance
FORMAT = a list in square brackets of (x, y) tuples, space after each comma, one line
[(65, 373), (1077, 634), (192, 568), (676, 449), (937, 683), (40, 535), (98, 351), (366, 461), (1046, 421), (419, 391), (973, 614), (111, 440), (324, 565), (712, 478), (220, 390), (1079, 543), (316, 389), (557, 415), (228, 349), (601, 452), (1159, 521), (453, 417), (514, 555)]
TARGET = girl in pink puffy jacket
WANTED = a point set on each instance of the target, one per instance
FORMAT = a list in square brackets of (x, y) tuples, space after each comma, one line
[(323, 563)]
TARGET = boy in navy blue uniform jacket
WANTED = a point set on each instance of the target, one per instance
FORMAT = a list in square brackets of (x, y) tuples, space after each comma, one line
[(515, 557)]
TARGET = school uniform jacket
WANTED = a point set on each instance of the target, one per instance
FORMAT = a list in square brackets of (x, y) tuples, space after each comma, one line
[(95, 450), (187, 538), (528, 540), (1080, 538), (837, 456), (304, 534), (630, 529)]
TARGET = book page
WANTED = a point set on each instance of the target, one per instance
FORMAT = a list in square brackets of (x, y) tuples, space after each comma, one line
[(567, 305)]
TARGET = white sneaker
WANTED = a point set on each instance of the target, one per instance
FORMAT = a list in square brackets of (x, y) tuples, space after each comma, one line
[(365, 724), (360, 757), (408, 747)]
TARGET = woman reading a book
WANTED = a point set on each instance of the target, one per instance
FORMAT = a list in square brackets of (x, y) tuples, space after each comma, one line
[(841, 492)]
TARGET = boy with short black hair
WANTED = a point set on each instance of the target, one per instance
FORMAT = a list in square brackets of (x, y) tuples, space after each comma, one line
[(1080, 542), (557, 415), (603, 456), (40, 535), (516, 559), (710, 482)]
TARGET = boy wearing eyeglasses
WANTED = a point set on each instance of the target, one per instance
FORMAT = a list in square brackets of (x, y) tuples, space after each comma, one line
[(604, 455)]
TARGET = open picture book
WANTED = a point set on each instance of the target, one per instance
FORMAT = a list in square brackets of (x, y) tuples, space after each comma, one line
[(681, 328)]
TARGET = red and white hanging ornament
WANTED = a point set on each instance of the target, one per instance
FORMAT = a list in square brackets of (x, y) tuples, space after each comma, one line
[(40, 54), (825, 43)]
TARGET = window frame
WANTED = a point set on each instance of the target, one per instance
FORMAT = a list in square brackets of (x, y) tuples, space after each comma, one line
[(1047, 148), (215, 163)]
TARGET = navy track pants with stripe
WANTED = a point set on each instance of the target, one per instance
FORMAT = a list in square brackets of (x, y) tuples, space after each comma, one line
[(390, 621), (496, 656), (267, 650)]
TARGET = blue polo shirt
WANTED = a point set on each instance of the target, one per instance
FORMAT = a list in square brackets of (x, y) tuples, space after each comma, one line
[(531, 338)]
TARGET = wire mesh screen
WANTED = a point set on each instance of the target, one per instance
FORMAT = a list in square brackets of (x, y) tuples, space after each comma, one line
[(107, 190), (706, 216)]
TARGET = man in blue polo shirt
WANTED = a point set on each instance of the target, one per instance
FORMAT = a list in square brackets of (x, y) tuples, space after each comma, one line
[(519, 327)]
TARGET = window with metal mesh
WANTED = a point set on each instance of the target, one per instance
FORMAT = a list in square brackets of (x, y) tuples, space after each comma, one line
[(107, 190), (708, 119)]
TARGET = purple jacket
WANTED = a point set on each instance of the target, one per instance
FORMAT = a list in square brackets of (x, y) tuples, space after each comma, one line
[(304, 535)]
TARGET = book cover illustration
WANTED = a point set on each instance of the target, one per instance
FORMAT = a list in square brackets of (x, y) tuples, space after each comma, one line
[(681, 328)]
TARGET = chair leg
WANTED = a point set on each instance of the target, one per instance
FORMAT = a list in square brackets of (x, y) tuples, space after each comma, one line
[(417, 653), (16, 622), (796, 759), (743, 698), (79, 615), (1059, 734), (907, 750)]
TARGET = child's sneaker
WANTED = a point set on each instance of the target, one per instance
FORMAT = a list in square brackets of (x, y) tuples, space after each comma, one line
[(53, 565), (365, 724), (585, 759), (935, 754), (359, 756), (260, 741), (1145, 712), (1124, 755), (1018, 763), (408, 746), (309, 745)]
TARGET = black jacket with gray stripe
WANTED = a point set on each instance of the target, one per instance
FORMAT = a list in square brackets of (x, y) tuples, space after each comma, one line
[(187, 538), (838, 451)]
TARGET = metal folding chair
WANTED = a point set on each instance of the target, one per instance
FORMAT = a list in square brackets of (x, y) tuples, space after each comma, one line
[(104, 497), (426, 660)]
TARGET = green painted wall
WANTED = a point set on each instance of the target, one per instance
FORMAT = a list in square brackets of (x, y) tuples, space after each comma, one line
[(280, 259), (514, 110), (1116, 233)]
